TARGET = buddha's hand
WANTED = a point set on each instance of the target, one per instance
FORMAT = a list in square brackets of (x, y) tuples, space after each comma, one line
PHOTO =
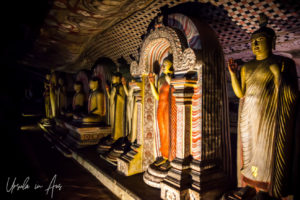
[(232, 66), (106, 87), (123, 81), (151, 77)]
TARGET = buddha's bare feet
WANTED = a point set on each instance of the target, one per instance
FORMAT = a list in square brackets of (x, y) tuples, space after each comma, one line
[(165, 166), (262, 196), (159, 161), (245, 193)]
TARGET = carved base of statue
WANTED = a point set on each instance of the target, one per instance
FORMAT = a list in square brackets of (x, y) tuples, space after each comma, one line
[(131, 162), (105, 145), (89, 119), (82, 135), (111, 149), (208, 181), (118, 150), (157, 172), (47, 122), (246, 193)]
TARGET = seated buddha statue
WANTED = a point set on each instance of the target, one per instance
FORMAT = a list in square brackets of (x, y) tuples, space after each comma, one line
[(78, 100), (96, 105)]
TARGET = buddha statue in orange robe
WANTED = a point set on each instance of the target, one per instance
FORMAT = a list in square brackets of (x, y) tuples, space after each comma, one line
[(164, 94)]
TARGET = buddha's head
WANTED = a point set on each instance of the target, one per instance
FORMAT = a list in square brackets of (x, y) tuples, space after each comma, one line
[(263, 40), (168, 69), (94, 83), (53, 78), (48, 76), (61, 81), (116, 78), (78, 86)]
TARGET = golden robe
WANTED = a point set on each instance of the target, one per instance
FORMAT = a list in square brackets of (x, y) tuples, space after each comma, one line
[(265, 125)]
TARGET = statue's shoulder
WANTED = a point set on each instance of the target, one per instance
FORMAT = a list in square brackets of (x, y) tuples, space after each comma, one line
[(99, 92), (250, 65), (277, 59), (81, 94)]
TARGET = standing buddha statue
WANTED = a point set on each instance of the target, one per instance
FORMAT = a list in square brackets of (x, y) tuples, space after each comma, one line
[(61, 96), (131, 110), (164, 94), (116, 96), (268, 94), (53, 92), (117, 101), (47, 96)]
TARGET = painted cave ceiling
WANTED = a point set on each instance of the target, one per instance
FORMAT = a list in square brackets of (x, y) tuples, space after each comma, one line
[(75, 33)]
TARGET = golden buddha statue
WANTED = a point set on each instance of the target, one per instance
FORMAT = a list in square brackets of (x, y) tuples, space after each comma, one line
[(116, 96), (52, 94), (47, 96), (96, 105), (61, 96), (117, 101), (78, 98), (78, 101), (163, 93), (131, 111), (268, 94)]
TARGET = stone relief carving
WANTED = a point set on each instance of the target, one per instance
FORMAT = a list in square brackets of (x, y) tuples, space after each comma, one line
[(164, 33), (188, 61)]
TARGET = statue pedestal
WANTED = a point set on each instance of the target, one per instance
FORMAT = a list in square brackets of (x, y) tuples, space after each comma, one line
[(209, 181), (154, 176), (177, 182), (131, 163), (115, 150), (47, 122), (85, 135)]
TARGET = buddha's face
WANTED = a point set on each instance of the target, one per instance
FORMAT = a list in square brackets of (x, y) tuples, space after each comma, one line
[(115, 79), (60, 81), (93, 85), (260, 45), (48, 76), (77, 88), (167, 70), (167, 67)]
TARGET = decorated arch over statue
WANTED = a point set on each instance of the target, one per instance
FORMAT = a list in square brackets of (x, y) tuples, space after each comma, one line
[(197, 109)]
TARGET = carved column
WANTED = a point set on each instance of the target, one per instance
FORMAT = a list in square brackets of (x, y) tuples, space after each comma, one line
[(176, 184)]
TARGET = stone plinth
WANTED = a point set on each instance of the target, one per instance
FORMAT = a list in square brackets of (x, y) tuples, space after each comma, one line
[(85, 135)]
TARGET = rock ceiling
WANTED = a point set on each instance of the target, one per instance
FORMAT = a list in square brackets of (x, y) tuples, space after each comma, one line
[(77, 32), (71, 23)]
